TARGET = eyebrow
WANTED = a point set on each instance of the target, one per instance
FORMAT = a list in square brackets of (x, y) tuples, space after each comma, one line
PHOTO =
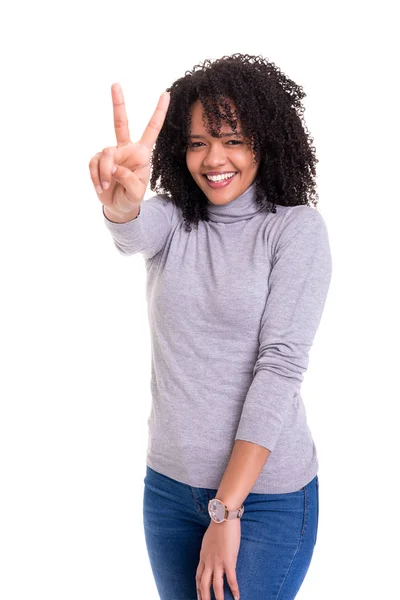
[(221, 135)]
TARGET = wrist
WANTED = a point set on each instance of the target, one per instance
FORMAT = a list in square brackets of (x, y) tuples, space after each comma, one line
[(227, 524), (219, 512), (119, 217), (230, 502)]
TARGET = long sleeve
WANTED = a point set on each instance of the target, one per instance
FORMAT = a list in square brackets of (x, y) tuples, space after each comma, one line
[(148, 232), (297, 289)]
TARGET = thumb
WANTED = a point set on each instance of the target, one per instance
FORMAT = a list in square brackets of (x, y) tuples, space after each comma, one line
[(134, 188)]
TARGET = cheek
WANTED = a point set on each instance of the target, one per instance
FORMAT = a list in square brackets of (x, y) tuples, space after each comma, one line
[(245, 160), (242, 166), (251, 164), (191, 163)]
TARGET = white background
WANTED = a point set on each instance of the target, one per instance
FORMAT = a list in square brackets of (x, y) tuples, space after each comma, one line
[(75, 394)]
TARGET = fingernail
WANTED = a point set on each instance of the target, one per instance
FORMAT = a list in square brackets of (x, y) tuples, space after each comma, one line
[(114, 169), (99, 189), (105, 184)]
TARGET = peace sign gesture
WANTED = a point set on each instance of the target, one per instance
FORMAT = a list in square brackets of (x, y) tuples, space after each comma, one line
[(122, 191)]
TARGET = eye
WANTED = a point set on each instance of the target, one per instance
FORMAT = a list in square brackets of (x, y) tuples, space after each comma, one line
[(195, 144), (234, 142)]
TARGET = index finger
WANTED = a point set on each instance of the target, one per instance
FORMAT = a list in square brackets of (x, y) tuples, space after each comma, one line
[(120, 116), (156, 122)]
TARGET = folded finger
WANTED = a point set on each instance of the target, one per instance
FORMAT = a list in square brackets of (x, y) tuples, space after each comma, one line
[(94, 172), (106, 163)]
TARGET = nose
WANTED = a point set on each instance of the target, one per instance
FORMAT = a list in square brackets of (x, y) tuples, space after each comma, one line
[(215, 156)]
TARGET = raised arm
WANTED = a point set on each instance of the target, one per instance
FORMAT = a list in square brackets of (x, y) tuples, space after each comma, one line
[(120, 174)]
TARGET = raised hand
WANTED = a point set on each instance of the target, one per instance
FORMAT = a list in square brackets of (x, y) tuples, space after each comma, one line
[(122, 191)]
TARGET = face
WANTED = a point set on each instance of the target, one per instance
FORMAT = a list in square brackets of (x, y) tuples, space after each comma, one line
[(222, 167)]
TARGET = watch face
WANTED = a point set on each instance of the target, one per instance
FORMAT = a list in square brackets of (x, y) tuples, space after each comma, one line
[(216, 510)]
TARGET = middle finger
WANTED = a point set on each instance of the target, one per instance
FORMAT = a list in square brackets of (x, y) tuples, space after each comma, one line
[(218, 585), (206, 583), (120, 117)]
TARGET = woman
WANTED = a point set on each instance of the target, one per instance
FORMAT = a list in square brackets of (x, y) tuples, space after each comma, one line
[(238, 270)]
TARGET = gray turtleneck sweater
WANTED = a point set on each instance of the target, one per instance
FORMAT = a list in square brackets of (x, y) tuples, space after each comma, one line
[(233, 308)]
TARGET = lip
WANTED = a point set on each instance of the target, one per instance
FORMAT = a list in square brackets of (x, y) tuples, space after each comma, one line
[(218, 172), (216, 185)]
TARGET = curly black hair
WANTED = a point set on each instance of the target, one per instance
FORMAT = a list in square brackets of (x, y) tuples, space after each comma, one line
[(268, 106)]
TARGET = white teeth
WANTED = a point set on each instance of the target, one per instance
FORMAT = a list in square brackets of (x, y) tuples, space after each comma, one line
[(220, 177)]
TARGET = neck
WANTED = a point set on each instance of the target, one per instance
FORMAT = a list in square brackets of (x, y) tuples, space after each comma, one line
[(239, 209)]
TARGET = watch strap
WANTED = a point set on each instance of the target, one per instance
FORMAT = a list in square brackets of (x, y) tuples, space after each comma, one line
[(234, 514)]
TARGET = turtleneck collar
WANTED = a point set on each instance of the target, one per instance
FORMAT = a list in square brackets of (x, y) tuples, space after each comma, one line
[(241, 208)]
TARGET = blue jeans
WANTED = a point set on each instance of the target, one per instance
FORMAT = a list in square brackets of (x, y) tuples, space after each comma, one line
[(278, 535)]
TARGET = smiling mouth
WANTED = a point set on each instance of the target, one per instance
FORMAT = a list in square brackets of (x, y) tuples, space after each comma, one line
[(220, 182), (222, 177)]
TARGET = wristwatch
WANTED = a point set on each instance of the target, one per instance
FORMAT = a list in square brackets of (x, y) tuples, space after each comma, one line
[(219, 512)]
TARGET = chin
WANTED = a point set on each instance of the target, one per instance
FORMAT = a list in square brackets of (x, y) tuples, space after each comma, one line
[(222, 195)]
